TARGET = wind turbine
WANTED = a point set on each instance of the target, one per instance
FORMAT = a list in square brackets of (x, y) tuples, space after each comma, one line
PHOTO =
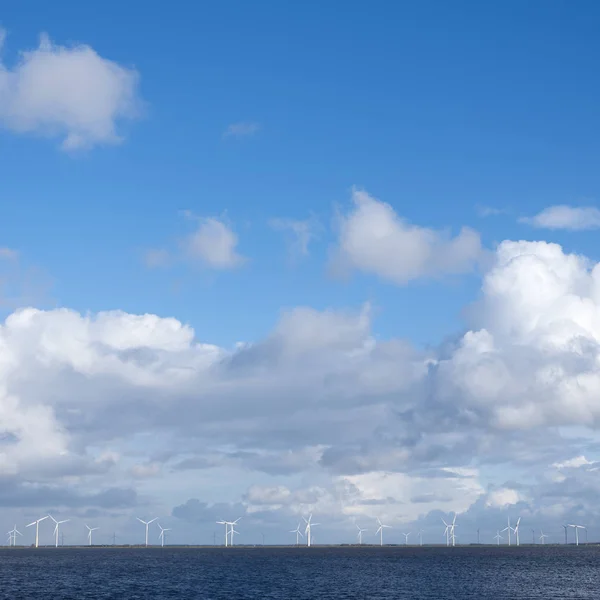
[(56, 524), (226, 531), (565, 528), (452, 530), (533, 536), (231, 525), (509, 529), (37, 529), (406, 537), (308, 529), (162, 535), (380, 531), (447, 532), (13, 536), (543, 537), (516, 530), (146, 523), (498, 537), (298, 534), (420, 537), (90, 529), (576, 528), (232, 530), (360, 532)]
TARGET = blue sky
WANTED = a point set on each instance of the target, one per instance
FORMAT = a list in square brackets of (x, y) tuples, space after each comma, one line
[(430, 107), (453, 115)]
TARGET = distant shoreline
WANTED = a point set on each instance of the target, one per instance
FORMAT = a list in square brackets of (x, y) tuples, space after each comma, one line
[(284, 546)]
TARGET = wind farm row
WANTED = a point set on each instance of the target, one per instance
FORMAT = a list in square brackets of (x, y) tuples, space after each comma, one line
[(304, 535)]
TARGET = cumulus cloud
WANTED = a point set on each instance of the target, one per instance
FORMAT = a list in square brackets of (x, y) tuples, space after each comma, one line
[(213, 244), (73, 93), (374, 239), (563, 216)]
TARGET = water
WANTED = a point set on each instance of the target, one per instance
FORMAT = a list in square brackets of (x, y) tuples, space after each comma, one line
[(301, 573)]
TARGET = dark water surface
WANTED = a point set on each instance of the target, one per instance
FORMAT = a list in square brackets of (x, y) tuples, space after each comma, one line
[(302, 573)]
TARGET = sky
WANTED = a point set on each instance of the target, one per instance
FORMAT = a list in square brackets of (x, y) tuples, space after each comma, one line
[(264, 260)]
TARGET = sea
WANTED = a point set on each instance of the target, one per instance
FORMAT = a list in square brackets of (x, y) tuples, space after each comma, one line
[(327, 573)]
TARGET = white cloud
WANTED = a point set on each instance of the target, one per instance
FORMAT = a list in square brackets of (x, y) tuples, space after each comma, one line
[(503, 497), (300, 234), (571, 218), (68, 92), (578, 461), (213, 244), (241, 129), (374, 239)]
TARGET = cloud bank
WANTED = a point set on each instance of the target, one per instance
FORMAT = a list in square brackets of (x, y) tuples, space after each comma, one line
[(320, 415)]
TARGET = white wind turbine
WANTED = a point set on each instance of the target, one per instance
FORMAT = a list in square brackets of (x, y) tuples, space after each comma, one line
[(380, 531), (406, 537), (13, 536), (56, 524), (146, 523), (447, 532), (161, 537), (37, 529), (90, 529), (226, 531), (360, 532), (576, 528), (420, 537), (509, 529), (516, 531), (298, 534), (232, 530), (543, 537), (308, 529), (498, 537)]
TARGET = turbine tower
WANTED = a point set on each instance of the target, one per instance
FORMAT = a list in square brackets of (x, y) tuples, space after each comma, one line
[(298, 534), (56, 524), (543, 537), (90, 529), (497, 537), (421, 537), (508, 529), (406, 537), (146, 523), (161, 537), (576, 528), (37, 530), (308, 529), (516, 531), (226, 531), (380, 531)]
